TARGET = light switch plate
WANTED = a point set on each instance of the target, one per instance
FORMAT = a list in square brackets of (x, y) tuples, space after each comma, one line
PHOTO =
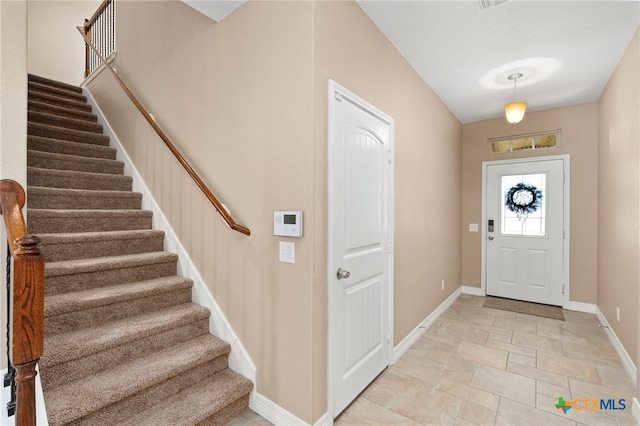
[(287, 252), (473, 227)]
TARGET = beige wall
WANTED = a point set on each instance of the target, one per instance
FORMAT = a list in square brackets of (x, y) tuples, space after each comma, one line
[(13, 117), (246, 101), (427, 165), (579, 139), (618, 198), (56, 49), (427, 155), (237, 97)]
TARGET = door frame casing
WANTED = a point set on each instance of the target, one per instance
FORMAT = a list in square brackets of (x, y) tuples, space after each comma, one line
[(333, 88), (566, 159)]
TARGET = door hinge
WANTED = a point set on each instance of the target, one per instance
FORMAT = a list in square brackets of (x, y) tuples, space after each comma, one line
[(338, 96), (390, 161), (389, 245), (562, 288), (389, 336)]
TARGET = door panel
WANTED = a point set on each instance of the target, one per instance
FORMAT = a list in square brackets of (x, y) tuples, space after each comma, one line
[(525, 250), (359, 242)]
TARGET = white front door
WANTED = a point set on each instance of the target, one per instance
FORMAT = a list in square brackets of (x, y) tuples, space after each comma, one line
[(525, 216), (359, 192)]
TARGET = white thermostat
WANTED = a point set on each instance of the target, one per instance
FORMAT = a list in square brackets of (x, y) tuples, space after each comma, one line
[(287, 223)]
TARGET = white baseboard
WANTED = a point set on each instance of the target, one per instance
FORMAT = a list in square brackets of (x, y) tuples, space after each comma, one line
[(627, 362), (588, 308), (474, 291), (239, 360), (278, 415), (412, 337), (635, 410)]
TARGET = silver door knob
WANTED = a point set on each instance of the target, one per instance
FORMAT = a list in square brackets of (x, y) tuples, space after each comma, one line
[(342, 273), (490, 237)]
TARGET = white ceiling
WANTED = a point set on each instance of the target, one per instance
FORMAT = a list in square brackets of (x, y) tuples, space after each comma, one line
[(566, 50), (216, 10)]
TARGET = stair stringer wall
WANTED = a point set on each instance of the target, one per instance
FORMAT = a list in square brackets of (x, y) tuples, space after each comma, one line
[(239, 359)]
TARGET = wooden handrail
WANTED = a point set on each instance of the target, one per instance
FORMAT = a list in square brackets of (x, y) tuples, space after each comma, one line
[(26, 335), (230, 221), (88, 23)]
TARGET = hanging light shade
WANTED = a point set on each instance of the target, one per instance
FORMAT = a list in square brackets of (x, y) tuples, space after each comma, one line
[(514, 111)]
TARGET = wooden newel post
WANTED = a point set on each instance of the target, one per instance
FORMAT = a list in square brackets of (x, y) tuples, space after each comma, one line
[(26, 304), (27, 332), (87, 32), (26, 394)]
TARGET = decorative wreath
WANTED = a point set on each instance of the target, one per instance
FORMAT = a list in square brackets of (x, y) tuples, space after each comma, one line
[(523, 199)]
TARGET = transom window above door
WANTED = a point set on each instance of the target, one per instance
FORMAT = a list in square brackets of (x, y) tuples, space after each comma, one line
[(524, 142)]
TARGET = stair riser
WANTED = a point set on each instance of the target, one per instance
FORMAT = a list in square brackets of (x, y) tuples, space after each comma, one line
[(126, 408), (103, 314), (225, 415), (37, 106), (88, 280), (64, 122), (38, 143), (37, 129), (56, 163), (56, 225), (54, 252), (85, 181), (59, 84), (58, 102), (56, 375), (57, 91), (41, 201)]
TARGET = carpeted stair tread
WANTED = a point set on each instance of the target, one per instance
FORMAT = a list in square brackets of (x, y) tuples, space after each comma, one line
[(123, 340), (52, 160), (82, 397), (83, 274), (65, 347), (106, 263), (68, 312), (40, 143), (55, 132), (58, 91), (65, 122), (48, 82), (80, 300), (197, 403), (48, 221), (82, 199), (50, 99), (33, 105), (38, 176), (82, 245)]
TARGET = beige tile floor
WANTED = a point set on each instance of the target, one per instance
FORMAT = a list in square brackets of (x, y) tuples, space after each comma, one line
[(481, 366), (248, 418)]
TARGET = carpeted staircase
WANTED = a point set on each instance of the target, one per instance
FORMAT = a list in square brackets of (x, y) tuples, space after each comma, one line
[(124, 344)]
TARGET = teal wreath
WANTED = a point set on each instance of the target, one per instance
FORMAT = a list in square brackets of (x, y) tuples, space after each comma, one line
[(523, 199)]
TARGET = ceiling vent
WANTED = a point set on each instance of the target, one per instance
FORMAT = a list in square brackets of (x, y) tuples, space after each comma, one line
[(485, 4)]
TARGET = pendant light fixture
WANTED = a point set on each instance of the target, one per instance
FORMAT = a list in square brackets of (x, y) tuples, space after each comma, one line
[(514, 111)]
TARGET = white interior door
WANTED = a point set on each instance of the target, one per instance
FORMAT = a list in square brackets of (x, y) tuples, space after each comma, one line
[(525, 231), (359, 244)]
